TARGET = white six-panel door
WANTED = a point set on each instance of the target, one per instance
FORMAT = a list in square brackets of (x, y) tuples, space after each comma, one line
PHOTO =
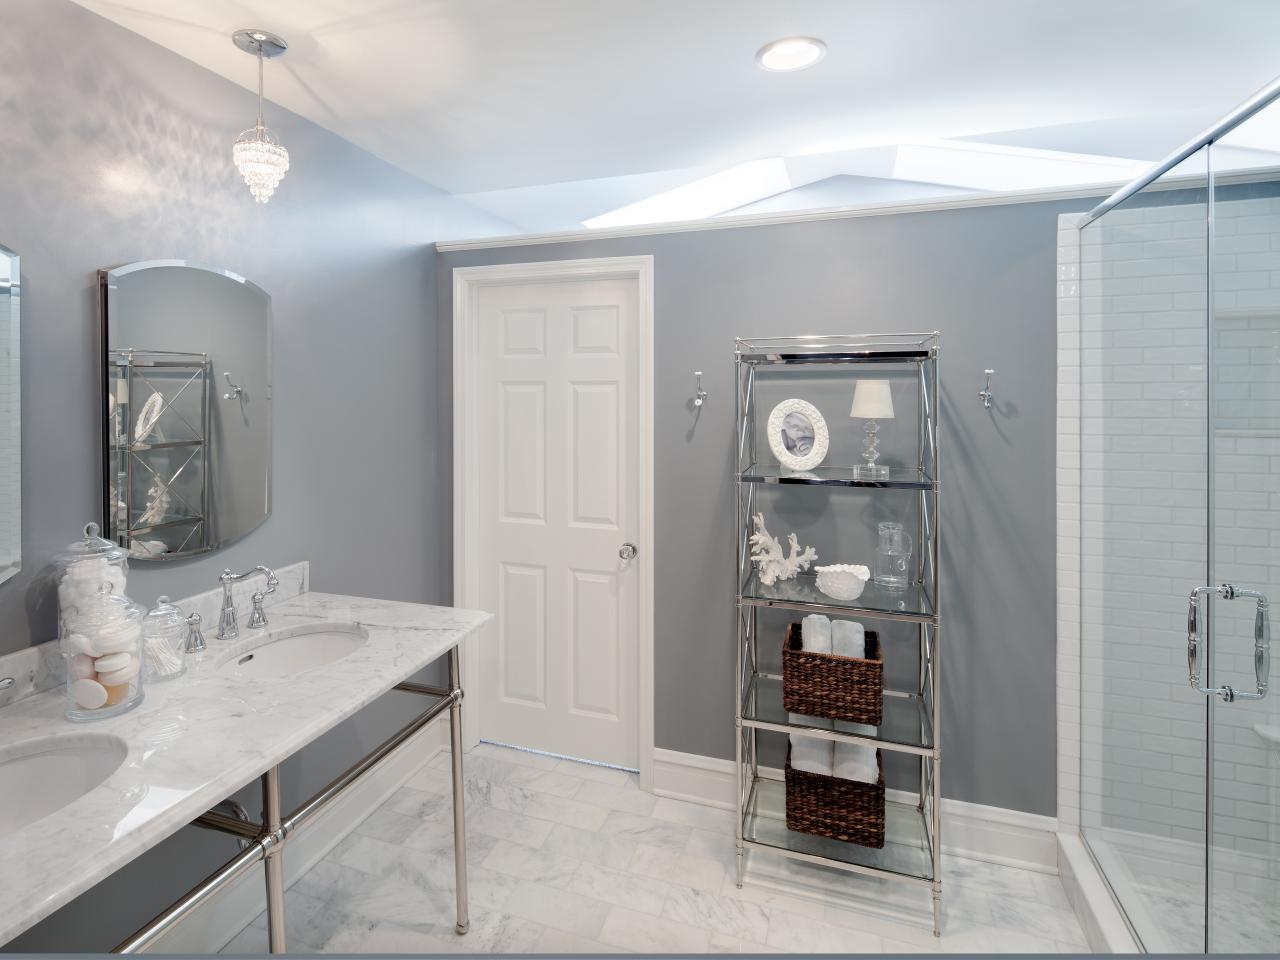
[(557, 402)]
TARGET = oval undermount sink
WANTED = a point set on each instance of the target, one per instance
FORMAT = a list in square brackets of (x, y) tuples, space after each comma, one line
[(42, 776), (294, 650)]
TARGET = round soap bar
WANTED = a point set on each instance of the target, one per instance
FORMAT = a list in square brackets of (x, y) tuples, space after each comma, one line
[(89, 694), (112, 678), (80, 667), (112, 662), (117, 694)]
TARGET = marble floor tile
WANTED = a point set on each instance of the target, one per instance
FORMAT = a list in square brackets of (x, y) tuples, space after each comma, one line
[(642, 933), (573, 913), (627, 798), (557, 941), (697, 908), (663, 863), (621, 888), (712, 819), (646, 830), (572, 858), (592, 847), (546, 867), (807, 935), (567, 810)]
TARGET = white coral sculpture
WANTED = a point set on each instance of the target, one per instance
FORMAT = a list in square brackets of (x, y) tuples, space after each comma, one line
[(766, 554)]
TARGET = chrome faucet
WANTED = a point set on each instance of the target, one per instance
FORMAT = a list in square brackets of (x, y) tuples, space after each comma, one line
[(228, 626)]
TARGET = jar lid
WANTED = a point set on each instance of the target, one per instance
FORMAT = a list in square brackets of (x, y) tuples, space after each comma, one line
[(163, 617), (91, 546)]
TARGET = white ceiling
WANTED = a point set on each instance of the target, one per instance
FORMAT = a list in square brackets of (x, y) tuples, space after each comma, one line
[(492, 97)]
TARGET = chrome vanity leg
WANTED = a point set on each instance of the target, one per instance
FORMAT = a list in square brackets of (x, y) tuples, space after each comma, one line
[(274, 862), (459, 793)]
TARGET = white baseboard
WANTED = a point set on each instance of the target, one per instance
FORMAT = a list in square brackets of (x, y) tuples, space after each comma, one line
[(970, 830), (211, 927)]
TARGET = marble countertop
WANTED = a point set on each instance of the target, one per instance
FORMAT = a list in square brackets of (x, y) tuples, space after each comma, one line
[(198, 739)]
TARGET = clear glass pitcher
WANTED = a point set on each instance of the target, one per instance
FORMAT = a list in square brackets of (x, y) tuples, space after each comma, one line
[(893, 557)]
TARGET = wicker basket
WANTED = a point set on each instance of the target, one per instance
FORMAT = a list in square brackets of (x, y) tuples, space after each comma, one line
[(827, 685), (847, 810)]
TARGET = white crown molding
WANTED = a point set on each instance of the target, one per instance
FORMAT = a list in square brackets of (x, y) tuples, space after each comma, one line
[(962, 201)]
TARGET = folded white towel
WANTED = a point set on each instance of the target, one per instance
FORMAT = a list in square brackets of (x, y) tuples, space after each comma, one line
[(812, 756), (815, 634), (854, 761), (848, 639)]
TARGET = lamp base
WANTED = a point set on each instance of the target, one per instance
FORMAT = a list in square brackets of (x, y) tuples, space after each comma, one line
[(870, 471)]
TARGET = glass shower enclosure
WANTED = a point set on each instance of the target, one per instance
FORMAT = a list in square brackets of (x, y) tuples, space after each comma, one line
[(1180, 540)]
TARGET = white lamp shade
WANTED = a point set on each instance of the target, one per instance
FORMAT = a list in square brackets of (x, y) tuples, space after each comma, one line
[(872, 400)]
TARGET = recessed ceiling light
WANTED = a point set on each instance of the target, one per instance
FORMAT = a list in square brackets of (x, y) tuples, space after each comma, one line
[(791, 53)]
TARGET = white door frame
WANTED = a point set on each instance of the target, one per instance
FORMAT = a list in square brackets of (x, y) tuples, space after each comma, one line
[(467, 283)]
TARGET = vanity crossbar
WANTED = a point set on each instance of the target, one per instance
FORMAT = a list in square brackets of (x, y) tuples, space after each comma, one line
[(266, 842)]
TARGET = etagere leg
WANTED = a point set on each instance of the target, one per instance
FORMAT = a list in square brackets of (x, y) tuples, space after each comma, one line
[(937, 909)]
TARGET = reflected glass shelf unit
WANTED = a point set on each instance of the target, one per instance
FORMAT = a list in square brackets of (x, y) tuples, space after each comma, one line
[(909, 728), (157, 431)]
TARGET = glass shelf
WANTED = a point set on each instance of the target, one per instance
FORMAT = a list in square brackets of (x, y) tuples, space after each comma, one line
[(899, 478), (802, 593), (906, 851), (905, 725)]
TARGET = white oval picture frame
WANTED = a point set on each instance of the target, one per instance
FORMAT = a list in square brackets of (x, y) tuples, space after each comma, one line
[(798, 434)]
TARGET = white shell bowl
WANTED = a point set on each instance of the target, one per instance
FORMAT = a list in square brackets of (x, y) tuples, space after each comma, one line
[(843, 581)]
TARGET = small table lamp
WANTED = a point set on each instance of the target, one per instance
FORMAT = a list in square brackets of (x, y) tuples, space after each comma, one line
[(872, 401)]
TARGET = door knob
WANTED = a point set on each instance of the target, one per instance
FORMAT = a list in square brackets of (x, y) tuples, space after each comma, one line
[(628, 551)]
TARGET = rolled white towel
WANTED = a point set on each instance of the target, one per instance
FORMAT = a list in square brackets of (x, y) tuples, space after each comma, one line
[(815, 634), (812, 756), (848, 638), (854, 761)]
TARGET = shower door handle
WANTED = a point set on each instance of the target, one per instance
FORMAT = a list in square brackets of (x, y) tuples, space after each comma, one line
[(1261, 642)]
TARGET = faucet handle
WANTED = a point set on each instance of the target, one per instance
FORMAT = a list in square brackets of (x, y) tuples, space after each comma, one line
[(195, 638), (259, 617)]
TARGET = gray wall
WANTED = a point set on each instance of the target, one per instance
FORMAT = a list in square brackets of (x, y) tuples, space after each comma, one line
[(343, 250), (984, 277)]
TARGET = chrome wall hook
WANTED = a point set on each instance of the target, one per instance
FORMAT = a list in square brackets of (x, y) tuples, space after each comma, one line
[(986, 393), (235, 390), (700, 395)]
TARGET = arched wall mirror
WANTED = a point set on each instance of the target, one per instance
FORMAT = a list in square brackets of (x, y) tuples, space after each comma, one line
[(10, 417), (186, 364)]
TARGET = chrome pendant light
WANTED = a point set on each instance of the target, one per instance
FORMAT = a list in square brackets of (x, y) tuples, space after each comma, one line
[(258, 153)]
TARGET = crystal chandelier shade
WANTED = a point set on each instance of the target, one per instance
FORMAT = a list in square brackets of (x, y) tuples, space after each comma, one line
[(258, 154), (261, 160)]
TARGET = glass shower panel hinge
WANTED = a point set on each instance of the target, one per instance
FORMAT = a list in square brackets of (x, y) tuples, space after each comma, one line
[(1261, 641)]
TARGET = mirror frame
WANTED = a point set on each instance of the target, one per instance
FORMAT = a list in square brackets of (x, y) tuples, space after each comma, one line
[(14, 285), (106, 302)]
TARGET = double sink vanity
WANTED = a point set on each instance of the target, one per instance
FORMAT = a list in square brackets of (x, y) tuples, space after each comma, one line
[(82, 800), (184, 425)]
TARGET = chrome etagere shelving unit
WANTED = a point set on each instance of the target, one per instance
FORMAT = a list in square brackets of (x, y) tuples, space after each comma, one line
[(913, 841)]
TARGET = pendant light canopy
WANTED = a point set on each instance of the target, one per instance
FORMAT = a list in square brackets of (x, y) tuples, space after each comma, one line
[(258, 153)]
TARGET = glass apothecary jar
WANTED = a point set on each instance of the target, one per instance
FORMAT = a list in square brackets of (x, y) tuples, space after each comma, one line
[(164, 641), (83, 568), (102, 645)]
